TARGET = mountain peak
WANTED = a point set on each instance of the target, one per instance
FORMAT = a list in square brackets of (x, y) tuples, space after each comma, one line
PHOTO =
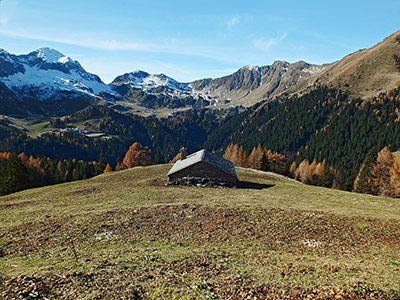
[(138, 74), (3, 51), (250, 68), (51, 55)]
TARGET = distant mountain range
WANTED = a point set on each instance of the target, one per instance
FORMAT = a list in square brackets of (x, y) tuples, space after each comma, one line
[(47, 82)]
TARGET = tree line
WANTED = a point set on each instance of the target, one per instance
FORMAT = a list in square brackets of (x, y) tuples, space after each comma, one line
[(19, 172), (261, 158), (379, 174)]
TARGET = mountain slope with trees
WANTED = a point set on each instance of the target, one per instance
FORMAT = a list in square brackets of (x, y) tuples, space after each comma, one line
[(321, 125)]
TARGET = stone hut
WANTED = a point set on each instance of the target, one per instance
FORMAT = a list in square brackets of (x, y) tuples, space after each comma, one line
[(203, 168)]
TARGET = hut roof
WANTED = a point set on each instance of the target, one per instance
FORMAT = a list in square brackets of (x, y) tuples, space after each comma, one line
[(207, 157)]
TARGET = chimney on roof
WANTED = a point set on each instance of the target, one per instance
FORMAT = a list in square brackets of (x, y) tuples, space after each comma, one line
[(183, 152)]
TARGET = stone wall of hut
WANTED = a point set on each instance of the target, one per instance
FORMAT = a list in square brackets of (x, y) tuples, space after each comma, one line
[(203, 170)]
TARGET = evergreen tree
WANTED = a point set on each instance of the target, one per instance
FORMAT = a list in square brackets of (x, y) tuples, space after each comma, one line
[(14, 176), (264, 166), (3, 174), (327, 176), (158, 157), (101, 164), (364, 175)]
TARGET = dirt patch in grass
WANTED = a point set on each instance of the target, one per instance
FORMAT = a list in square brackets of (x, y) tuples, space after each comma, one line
[(14, 205), (74, 285), (158, 182)]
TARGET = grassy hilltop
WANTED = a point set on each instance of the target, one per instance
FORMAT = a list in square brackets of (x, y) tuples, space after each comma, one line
[(127, 235)]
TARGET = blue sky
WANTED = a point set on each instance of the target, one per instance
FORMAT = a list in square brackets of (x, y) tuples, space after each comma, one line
[(191, 40)]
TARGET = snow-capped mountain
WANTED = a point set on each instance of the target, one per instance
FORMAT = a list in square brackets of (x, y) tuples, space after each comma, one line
[(153, 91), (246, 86), (145, 81), (48, 74), (58, 81)]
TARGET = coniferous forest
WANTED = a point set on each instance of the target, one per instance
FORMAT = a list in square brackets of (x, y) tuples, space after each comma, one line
[(323, 128)]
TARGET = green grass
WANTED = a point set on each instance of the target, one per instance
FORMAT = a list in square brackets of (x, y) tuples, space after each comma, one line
[(37, 126), (136, 237)]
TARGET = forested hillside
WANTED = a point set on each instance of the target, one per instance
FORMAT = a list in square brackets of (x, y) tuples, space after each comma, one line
[(189, 129), (323, 124)]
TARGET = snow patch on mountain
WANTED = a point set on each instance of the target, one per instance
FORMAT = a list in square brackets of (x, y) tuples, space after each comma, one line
[(52, 81), (51, 55), (251, 68), (48, 72), (146, 81), (312, 70)]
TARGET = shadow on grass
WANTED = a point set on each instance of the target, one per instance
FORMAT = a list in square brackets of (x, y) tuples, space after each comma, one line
[(253, 185)]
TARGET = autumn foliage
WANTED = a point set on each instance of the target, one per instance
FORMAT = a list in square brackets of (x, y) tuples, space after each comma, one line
[(259, 158), (18, 172), (137, 155), (379, 174), (108, 169), (176, 158), (315, 173)]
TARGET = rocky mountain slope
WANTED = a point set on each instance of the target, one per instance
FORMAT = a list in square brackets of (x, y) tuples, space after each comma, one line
[(9, 102), (251, 84), (246, 86)]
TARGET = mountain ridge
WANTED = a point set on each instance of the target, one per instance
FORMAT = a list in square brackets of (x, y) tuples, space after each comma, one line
[(364, 73), (48, 75)]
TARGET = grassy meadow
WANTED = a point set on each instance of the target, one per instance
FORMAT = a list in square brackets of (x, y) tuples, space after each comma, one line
[(125, 235)]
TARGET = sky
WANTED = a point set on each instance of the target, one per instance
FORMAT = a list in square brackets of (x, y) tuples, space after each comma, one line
[(191, 40)]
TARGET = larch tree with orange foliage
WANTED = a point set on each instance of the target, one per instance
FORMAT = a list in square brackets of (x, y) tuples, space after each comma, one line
[(237, 155), (107, 168), (176, 158), (277, 162), (293, 169), (255, 157), (230, 151), (137, 155), (302, 171), (380, 183), (395, 177)]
